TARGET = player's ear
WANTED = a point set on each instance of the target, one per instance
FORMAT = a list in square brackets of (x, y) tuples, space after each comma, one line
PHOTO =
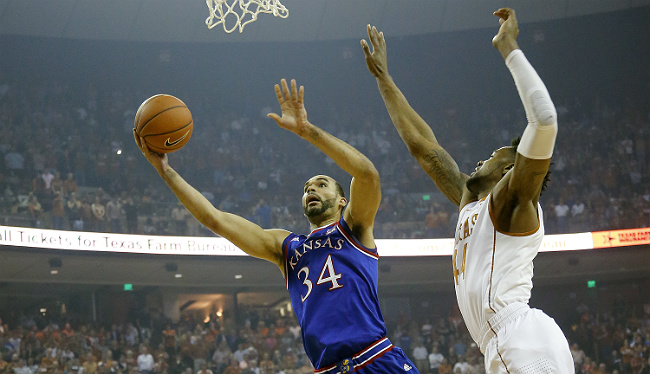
[(507, 168), (343, 201)]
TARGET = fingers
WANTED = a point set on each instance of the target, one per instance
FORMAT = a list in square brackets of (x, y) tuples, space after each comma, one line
[(285, 94), (294, 91), (376, 37), (364, 46), (285, 89), (140, 142), (505, 13), (278, 94), (137, 138)]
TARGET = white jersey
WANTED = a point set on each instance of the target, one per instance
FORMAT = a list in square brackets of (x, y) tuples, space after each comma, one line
[(492, 269)]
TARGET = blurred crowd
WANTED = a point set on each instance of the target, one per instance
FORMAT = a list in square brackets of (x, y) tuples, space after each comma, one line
[(254, 341), (69, 162)]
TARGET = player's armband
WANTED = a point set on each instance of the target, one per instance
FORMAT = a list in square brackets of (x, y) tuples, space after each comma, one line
[(538, 139)]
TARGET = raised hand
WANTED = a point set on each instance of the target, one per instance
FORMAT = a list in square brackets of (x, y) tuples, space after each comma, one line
[(506, 39), (294, 115), (376, 60), (509, 28)]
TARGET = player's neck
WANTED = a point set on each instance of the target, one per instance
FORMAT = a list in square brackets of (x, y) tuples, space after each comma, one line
[(319, 222), (479, 192)]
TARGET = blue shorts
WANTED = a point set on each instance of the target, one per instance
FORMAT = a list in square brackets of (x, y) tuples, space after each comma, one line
[(392, 362), (381, 357)]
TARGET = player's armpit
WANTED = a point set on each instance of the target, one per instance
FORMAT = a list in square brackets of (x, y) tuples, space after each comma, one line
[(514, 199), (527, 177), (443, 170), (250, 238)]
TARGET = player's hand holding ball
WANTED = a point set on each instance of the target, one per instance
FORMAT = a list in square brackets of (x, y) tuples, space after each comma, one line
[(164, 123)]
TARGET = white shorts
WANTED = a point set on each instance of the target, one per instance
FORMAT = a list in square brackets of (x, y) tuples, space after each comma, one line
[(528, 342)]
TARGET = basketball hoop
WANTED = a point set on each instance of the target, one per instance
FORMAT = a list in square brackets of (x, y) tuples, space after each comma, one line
[(246, 12)]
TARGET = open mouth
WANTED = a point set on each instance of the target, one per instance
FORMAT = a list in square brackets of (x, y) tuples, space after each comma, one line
[(312, 199)]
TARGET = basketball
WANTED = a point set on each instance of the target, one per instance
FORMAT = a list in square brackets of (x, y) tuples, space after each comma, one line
[(164, 122)]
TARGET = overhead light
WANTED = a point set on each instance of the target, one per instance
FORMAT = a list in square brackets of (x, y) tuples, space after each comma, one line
[(239, 276), (178, 275), (54, 271)]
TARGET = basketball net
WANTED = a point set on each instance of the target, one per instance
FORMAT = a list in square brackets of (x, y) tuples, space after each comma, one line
[(243, 11)]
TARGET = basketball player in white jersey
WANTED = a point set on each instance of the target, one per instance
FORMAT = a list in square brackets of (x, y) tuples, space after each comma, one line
[(500, 226)]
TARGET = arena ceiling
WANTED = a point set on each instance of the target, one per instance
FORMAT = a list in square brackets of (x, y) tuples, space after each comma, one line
[(309, 20)]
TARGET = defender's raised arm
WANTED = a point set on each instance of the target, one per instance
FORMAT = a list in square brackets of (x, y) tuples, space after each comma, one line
[(538, 140), (414, 131)]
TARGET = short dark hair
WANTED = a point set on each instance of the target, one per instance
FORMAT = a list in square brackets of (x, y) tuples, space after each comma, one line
[(339, 188), (547, 178)]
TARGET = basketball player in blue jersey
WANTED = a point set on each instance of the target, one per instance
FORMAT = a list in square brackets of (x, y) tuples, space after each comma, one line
[(500, 226), (331, 273)]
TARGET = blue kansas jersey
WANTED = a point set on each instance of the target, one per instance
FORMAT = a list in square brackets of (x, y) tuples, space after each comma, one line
[(332, 281)]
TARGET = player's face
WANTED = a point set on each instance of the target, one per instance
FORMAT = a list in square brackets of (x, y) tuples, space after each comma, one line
[(490, 171), (319, 196)]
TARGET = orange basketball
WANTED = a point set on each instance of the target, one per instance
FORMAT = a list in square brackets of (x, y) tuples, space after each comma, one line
[(164, 122)]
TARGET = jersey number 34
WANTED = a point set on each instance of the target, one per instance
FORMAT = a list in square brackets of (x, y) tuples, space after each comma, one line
[(327, 275)]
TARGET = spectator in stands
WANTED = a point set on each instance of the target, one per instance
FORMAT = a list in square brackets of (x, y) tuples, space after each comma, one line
[(204, 369), (56, 185), (73, 213), (420, 355), (435, 358), (98, 218), (89, 365), (86, 213), (561, 214), (267, 366), (461, 366), (578, 356), (15, 161), (179, 218), (58, 211), (115, 214), (35, 210), (145, 361), (70, 185), (130, 215), (445, 367)]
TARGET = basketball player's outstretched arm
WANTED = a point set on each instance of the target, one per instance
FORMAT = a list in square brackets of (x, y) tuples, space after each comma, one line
[(414, 131), (517, 194), (248, 236), (365, 192)]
